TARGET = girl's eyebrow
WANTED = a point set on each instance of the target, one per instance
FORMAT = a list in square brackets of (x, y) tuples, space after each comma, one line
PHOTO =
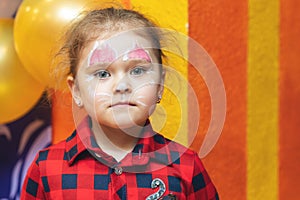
[(98, 66), (110, 66)]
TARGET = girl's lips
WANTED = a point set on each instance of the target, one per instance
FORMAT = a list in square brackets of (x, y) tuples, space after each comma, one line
[(122, 104)]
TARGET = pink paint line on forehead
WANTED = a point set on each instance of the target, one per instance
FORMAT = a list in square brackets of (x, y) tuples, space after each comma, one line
[(138, 53), (104, 54)]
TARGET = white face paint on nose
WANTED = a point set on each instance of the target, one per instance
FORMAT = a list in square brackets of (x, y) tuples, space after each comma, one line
[(123, 86)]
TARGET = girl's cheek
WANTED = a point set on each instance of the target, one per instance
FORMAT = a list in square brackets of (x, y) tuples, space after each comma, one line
[(102, 98), (89, 78), (146, 93), (145, 86), (91, 91), (93, 84)]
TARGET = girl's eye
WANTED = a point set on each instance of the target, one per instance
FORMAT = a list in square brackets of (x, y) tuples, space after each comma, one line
[(138, 71), (102, 74)]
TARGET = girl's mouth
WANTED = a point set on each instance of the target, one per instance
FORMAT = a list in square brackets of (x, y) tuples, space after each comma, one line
[(122, 104)]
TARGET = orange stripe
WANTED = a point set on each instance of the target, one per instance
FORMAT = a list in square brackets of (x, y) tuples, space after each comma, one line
[(62, 118), (289, 129), (126, 3), (221, 28)]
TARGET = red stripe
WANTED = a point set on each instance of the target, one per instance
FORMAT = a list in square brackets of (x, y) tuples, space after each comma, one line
[(221, 28), (289, 120)]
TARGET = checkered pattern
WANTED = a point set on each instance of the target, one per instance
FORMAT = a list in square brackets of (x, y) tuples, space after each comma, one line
[(70, 170)]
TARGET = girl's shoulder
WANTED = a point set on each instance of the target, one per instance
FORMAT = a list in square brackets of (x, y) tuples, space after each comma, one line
[(176, 149), (173, 144), (54, 151), (56, 147)]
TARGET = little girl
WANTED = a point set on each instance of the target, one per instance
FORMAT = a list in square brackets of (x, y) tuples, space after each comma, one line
[(116, 78)]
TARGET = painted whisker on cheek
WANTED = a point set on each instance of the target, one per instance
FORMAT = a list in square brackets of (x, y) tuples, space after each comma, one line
[(103, 97), (103, 94), (147, 84), (88, 78), (140, 102), (102, 100), (91, 91)]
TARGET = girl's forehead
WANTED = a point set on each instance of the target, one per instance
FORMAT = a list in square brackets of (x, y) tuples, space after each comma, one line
[(124, 41), (119, 45)]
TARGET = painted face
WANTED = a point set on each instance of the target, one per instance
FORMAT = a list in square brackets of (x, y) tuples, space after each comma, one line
[(119, 80)]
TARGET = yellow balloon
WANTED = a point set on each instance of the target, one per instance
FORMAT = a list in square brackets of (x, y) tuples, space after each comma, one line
[(39, 25), (19, 91)]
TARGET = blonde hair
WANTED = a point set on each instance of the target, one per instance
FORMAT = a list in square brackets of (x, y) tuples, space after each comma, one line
[(90, 26)]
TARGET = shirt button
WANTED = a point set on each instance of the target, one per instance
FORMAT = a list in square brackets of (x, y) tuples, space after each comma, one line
[(118, 170), (97, 155)]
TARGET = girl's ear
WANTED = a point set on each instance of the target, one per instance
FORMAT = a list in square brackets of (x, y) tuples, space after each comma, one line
[(161, 85), (74, 91)]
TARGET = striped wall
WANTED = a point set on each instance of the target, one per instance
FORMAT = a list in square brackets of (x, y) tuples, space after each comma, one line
[(256, 46)]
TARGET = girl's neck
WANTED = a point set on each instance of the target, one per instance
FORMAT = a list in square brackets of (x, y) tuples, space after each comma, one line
[(116, 142)]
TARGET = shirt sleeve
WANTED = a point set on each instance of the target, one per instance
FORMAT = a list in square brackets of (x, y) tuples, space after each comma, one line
[(202, 187), (32, 186)]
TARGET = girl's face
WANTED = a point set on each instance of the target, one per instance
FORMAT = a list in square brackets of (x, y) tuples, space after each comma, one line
[(118, 81)]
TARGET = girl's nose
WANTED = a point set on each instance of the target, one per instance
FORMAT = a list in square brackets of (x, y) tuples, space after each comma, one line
[(123, 86)]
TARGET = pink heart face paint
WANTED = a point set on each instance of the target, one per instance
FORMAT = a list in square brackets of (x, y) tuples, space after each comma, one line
[(104, 54)]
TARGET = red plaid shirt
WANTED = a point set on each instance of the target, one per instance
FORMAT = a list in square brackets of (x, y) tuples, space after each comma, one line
[(78, 169)]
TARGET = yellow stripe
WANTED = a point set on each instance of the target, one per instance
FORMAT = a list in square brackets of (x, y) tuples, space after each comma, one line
[(170, 14), (262, 130)]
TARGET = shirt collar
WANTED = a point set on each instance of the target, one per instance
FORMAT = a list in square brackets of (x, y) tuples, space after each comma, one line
[(152, 147)]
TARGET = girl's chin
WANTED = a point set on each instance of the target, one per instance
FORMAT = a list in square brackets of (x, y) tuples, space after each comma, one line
[(127, 126), (122, 125), (123, 121)]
